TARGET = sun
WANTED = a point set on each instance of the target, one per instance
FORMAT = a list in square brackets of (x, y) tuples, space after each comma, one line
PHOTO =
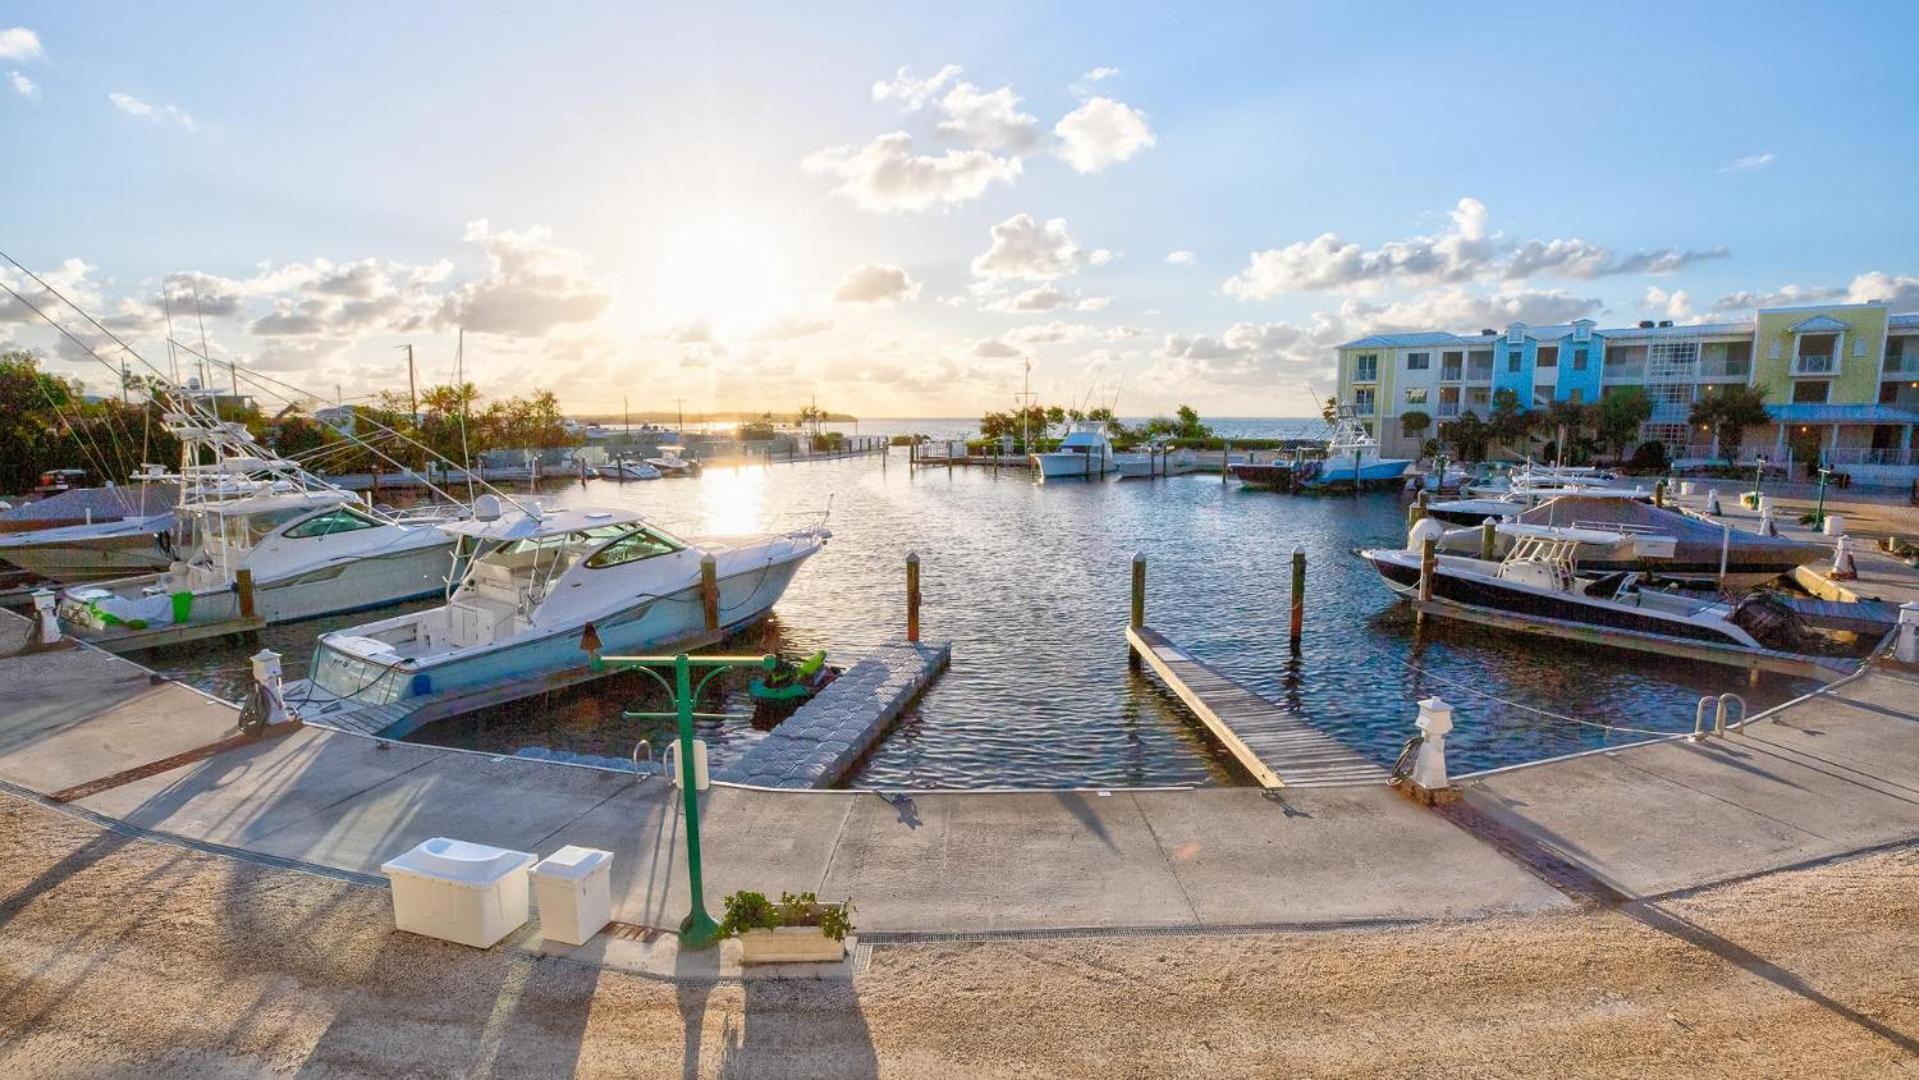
[(730, 274)]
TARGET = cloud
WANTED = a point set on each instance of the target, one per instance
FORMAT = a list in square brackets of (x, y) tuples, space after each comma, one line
[(1098, 74), (1455, 306), (1100, 133), (1040, 298), (887, 176), (1102, 256), (1094, 303), (291, 321), (1784, 296), (913, 94), (1464, 252), (159, 114), (1901, 292), (1181, 258), (70, 279), (1580, 260), (1250, 354), (533, 285), (994, 349), (1749, 163), (1675, 305), (876, 283), (1024, 249), (22, 85), (792, 326), (988, 120), (20, 43)]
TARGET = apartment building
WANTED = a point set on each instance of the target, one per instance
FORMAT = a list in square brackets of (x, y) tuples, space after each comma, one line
[(1841, 380)]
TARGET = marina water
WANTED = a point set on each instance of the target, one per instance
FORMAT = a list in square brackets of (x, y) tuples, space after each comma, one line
[(1030, 582)]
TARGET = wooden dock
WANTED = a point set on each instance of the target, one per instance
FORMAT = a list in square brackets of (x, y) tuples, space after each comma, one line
[(1277, 747)]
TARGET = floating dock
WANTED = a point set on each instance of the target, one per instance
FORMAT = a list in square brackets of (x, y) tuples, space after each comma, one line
[(820, 742), (1278, 748)]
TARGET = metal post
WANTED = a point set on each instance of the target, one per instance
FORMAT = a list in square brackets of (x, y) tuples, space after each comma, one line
[(698, 930), (1299, 595), (912, 596), (1428, 560), (1819, 512), (710, 592)]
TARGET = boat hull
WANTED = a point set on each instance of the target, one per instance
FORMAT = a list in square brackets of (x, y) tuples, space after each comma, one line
[(85, 553), (1401, 572), (1060, 466)]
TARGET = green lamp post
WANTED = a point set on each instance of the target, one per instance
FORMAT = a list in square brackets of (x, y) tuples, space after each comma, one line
[(1819, 512), (1758, 476), (697, 930)]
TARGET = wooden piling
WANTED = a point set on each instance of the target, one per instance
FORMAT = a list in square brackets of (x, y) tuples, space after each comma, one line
[(1138, 618), (1225, 456), (1299, 596), (1428, 563), (243, 583), (710, 591), (912, 596), (1659, 494), (1488, 539)]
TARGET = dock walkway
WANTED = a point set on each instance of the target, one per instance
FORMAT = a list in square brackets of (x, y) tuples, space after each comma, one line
[(821, 741), (1276, 746)]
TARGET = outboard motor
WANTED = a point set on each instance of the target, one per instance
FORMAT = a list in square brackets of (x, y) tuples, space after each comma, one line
[(1770, 622)]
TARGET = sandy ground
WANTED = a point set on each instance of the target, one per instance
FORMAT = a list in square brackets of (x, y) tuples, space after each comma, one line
[(126, 957)]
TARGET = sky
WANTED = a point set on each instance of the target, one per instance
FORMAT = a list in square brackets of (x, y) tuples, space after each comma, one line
[(894, 211)]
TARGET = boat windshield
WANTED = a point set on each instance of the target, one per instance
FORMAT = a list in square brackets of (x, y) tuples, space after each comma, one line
[(638, 543)]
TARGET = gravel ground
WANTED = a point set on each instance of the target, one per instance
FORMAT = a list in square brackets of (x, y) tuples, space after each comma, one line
[(124, 957)]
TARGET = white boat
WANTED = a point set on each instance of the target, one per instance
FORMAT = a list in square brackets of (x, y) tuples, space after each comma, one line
[(623, 469), (532, 583), (1084, 452), (1539, 577), (90, 552), (1352, 454), (1157, 460), (670, 462)]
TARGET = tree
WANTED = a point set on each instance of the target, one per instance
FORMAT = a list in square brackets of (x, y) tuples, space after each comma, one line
[(1413, 423), (1510, 424), (1569, 421), (34, 434), (1619, 416), (1728, 412), (1329, 412), (1467, 436)]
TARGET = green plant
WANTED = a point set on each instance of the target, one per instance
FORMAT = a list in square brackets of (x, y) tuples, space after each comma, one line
[(837, 922), (747, 910)]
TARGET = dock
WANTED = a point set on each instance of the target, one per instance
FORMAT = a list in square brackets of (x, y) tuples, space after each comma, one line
[(823, 739), (1278, 748)]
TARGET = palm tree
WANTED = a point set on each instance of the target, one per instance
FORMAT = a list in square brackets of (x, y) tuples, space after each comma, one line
[(1728, 412)]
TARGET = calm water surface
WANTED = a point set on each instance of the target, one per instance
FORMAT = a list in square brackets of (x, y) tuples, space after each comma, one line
[(1030, 582)]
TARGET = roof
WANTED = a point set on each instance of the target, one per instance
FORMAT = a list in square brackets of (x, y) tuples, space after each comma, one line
[(518, 525), (1818, 324), (1559, 332), (1798, 413), (1903, 322), (1743, 329), (1403, 341)]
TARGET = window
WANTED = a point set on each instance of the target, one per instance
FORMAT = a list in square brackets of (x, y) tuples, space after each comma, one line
[(1817, 353), (1415, 395), (1418, 361), (1548, 356), (1582, 330), (342, 520), (1515, 336), (636, 545), (1363, 399), (1579, 358), (1366, 367), (1452, 365), (1513, 360), (1810, 391)]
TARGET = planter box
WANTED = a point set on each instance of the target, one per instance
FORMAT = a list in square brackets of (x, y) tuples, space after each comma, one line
[(790, 945)]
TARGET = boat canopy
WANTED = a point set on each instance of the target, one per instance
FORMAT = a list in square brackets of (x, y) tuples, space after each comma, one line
[(1558, 532), (543, 522)]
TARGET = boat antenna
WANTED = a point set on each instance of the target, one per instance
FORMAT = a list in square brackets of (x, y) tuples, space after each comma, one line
[(204, 351), (459, 382), (166, 306)]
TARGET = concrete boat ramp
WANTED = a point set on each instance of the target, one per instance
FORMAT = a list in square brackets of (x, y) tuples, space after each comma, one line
[(1830, 775)]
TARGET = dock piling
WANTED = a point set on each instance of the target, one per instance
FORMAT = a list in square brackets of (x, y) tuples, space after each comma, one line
[(710, 591), (243, 582), (912, 596), (1299, 595), (1488, 540), (1428, 560), (1225, 456), (1138, 618), (47, 618), (1428, 783)]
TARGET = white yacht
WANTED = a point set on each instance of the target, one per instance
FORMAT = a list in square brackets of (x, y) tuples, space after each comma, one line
[(1156, 460), (670, 462), (1085, 451), (532, 582), (94, 550), (622, 468)]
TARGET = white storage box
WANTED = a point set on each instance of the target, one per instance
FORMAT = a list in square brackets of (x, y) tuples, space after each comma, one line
[(460, 892), (575, 890)]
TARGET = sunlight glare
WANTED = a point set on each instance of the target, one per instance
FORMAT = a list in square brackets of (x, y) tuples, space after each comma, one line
[(729, 273)]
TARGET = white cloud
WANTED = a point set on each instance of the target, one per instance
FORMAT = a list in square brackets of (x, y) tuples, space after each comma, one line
[(1102, 256), (1181, 258), (1901, 292), (911, 93), (1454, 306), (1784, 296), (1098, 74), (886, 175), (533, 286), (1675, 305), (988, 120), (792, 326), (1749, 163), (1580, 260), (1250, 354), (159, 114), (1027, 250), (1100, 133), (1040, 298), (1094, 303), (994, 349), (876, 283), (22, 85), (20, 43)]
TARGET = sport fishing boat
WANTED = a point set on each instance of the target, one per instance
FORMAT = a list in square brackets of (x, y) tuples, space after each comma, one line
[(1084, 452), (517, 615), (622, 468), (1540, 577), (670, 462), (1352, 458)]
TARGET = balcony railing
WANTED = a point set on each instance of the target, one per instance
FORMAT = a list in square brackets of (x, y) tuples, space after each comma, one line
[(1448, 409), (1451, 373), (1906, 364), (1846, 456), (1366, 374), (1813, 365), (1624, 372), (1724, 369), (1479, 373)]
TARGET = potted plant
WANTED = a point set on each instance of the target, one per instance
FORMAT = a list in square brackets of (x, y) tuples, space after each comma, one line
[(798, 929)]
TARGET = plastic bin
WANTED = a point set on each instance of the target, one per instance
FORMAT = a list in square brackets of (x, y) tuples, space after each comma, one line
[(466, 893), (574, 886)]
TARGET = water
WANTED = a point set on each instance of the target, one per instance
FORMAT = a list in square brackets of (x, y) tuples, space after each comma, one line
[(1030, 582)]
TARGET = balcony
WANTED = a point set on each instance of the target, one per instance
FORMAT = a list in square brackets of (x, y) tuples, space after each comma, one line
[(1479, 373), (1907, 364), (1625, 373), (1817, 364), (1451, 373), (1448, 410), (1724, 369)]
